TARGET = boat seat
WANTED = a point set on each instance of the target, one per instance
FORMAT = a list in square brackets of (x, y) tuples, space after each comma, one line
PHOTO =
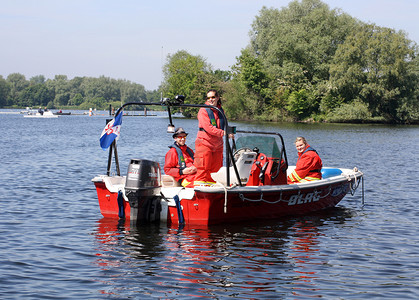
[(169, 181), (244, 165)]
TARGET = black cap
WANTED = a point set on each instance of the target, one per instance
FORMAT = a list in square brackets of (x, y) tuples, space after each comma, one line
[(179, 130)]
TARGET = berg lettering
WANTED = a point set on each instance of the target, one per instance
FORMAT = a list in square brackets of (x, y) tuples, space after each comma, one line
[(304, 198)]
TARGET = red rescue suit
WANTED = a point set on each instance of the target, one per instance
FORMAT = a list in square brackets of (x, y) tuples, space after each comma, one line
[(308, 167), (173, 162), (208, 145)]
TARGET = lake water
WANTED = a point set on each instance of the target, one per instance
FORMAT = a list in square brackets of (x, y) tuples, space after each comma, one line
[(56, 245)]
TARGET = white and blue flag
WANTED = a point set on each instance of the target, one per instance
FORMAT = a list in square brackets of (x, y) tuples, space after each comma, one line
[(111, 132)]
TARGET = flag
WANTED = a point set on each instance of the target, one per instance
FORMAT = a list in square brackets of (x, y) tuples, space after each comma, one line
[(111, 132)]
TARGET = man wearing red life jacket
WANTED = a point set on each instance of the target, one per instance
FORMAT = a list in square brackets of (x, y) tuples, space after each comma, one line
[(209, 141), (309, 163), (179, 160)]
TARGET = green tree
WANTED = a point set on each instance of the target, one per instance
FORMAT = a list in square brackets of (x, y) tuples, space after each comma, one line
[(188, 75), (374, 66), (222, 75), (299, 104), (35, 95), (356, 111), (39, 79), (153, 96), (60, 86), (77, 99), (132, 92), (296, 46), (76, 91), (251, 74), (237, 103), (298, 42), (4, 91), (17, 83)]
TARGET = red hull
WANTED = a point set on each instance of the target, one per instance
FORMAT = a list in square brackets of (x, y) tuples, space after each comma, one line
[(209, 206), (212, 208), (108, 202)]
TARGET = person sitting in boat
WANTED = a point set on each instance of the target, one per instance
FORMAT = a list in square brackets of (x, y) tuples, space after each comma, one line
[(40, 111), (309, 163), (179, 160)]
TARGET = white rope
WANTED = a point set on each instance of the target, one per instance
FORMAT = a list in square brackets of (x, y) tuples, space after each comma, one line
[(225, 195), (321, 197), (353, 186), (243, 198)]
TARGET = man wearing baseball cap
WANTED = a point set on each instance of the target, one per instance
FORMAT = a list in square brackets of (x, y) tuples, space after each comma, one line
[(179, 160)]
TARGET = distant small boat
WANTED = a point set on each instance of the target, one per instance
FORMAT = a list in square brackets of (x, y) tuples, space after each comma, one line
[(58, 113), (35, 114)]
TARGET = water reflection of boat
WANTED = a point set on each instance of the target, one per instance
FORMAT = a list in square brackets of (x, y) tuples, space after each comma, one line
[(237, 257), (243, 191)]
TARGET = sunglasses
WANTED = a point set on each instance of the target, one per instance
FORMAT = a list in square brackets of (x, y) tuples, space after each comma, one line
[(213, 97)]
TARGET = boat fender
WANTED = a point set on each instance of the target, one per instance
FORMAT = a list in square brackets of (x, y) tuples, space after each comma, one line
[(179, 209), (120, 200), (330, 172)]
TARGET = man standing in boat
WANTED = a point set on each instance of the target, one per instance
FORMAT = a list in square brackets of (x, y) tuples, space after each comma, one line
[(179, 160), (209, 141), (309, 163)]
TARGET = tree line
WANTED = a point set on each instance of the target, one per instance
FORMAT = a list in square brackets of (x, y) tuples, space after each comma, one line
[(304, 62), (60, 92)]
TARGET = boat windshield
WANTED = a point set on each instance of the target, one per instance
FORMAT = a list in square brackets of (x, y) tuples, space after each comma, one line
[(266, 144)]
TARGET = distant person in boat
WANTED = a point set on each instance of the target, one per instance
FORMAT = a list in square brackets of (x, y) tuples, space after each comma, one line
[(309, 163), (209, 141), (40, 111), (179, 160)]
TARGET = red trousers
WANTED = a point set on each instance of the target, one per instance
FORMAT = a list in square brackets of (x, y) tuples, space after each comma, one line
[(207, 161)]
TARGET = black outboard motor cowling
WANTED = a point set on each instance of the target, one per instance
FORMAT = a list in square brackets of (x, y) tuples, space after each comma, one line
[(142, 188)]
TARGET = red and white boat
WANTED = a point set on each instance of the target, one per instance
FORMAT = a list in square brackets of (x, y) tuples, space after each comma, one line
[(253, 187)]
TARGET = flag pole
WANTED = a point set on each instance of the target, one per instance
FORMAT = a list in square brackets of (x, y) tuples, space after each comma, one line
[(118, 172), (110, 159)]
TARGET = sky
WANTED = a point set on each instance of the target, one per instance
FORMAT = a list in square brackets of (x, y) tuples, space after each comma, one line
[(130, 39)]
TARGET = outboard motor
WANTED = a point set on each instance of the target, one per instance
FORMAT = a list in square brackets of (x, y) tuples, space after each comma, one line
[(142, 188)]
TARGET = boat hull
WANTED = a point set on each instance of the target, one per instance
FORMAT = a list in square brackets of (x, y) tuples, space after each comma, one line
[(217, 204), (47, 114), (108, 202), (214, 208)]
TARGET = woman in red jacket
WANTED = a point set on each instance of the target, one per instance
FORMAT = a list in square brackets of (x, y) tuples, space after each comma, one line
[(179, 160), (309, 163), (209, 141)]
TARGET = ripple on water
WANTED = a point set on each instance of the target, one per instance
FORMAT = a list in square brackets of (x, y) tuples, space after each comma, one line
[(57, 245)]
